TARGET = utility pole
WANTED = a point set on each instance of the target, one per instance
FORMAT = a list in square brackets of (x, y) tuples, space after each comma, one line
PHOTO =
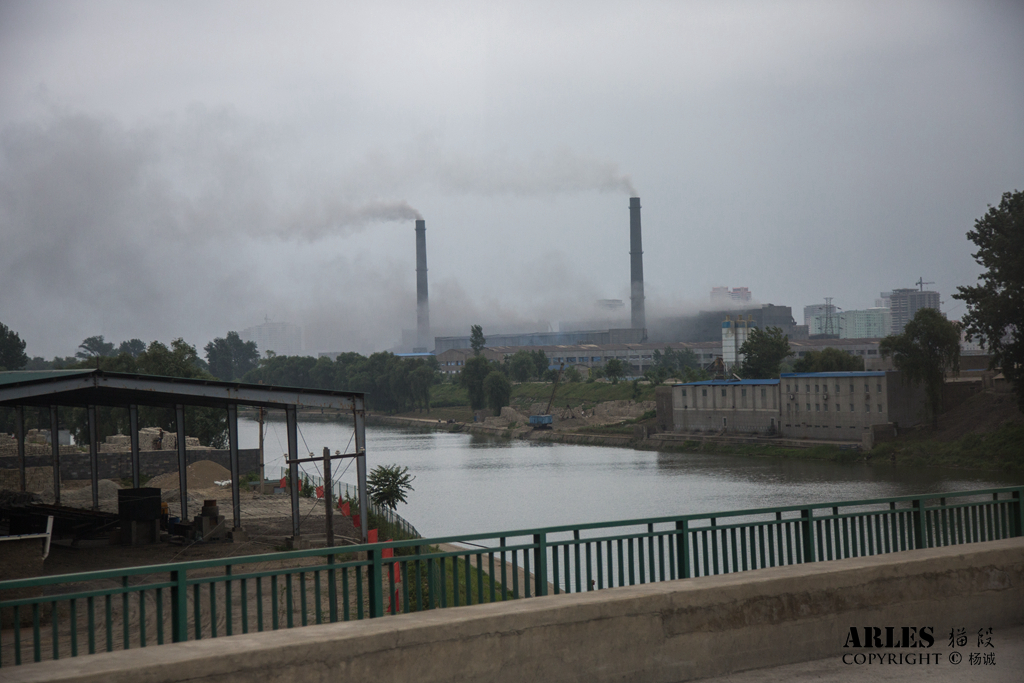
[(328, 498)]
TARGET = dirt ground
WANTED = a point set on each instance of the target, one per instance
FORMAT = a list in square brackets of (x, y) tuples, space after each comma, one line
[(979, 414), (266, 519)]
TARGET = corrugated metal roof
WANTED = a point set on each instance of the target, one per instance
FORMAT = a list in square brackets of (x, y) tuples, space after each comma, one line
[(99, 387), (19, 376), (726, 382)]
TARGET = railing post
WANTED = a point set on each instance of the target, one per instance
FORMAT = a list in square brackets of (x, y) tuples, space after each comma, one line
[(807, 534), (376, 585), (683, 548), (179, 606), (540, 564), (920, 539), (1018, 514)]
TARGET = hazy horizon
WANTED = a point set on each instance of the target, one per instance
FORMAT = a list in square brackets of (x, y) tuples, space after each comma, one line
[(185, 169)]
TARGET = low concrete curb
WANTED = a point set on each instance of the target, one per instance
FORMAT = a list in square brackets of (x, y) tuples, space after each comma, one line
[(671, 631)]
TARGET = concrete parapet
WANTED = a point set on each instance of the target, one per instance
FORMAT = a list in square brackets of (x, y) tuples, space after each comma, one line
[(671, 631)]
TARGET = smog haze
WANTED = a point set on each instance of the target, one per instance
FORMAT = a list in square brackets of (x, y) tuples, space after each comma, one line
[(185, 169)]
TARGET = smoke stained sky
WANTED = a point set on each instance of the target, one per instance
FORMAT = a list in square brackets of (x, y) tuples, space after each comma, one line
[(185, 169)]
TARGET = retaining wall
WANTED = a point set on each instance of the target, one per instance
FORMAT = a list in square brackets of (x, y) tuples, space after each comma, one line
[(671, 631), (118, 465)]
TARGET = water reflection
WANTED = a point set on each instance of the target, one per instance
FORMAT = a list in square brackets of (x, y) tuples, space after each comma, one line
[(468, 484)]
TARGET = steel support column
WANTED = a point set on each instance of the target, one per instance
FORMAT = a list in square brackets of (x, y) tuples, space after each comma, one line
[(55, 443), (360, 438), (293, 467), (133, 429), (328, 498), (94, 458), (236, 503), (179, 424), (19, 433)]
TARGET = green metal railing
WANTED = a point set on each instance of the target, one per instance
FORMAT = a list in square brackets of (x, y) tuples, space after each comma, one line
[(66, 616)]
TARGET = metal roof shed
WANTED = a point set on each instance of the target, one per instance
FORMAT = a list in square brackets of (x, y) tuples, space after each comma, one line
[(91, 388)]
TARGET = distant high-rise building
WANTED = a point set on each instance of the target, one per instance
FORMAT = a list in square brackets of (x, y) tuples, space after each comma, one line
[(811, 312), (868, 323), (905, 303), (284, 339), (740, 294), (722, 296)]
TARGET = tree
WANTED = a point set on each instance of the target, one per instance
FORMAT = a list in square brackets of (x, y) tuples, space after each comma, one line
[(230, 357), (928, 347), (12, 350), (473, 374), (995, 307), (92, 347), (387, 485), (540, 361), (615, 369), (656, 374), (133, 347), (209, 425), (476, 339), (763, 352), (521, 366), (572, 375), (674, 363), (498, 390), (420, 381), (828, 360)]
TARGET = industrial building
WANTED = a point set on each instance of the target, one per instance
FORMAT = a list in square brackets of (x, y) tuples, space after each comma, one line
[(748, 406), (640, 357), (707, 325), (825, 406)]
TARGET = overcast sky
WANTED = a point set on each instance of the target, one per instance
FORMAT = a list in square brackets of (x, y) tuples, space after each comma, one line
[(190, 168)]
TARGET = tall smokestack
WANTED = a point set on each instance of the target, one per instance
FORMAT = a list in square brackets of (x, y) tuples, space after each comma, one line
[(636, 267), (422, 305)]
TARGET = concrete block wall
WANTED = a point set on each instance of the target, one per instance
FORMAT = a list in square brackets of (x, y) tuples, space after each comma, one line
[(118, 465), (662, 632)]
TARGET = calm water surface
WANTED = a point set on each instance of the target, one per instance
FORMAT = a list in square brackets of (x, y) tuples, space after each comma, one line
[(470, 484)]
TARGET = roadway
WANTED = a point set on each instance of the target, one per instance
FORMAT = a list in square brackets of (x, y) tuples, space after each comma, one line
[(1007, 646)]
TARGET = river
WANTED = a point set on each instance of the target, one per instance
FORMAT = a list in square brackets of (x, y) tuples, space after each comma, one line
[(469, 484)]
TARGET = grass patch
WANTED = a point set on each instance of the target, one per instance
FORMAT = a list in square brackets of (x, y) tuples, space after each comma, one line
[(1001, 449), (578, 394), (463, 584)]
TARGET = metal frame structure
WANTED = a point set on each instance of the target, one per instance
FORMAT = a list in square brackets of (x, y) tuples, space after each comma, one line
[(90, 388)]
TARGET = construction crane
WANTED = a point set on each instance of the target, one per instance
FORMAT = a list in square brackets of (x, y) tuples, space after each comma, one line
[(544, 421), (921, 283)]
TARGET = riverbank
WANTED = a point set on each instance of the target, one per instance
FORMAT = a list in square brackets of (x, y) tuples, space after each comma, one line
[(998, 450)]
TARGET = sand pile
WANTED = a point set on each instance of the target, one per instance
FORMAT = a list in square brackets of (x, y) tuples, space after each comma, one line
[(203, 474), (82, 498)]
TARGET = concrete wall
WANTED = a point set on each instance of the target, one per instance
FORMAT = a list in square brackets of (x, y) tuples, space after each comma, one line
[(672, 631), (118, 465), (726, 407)]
